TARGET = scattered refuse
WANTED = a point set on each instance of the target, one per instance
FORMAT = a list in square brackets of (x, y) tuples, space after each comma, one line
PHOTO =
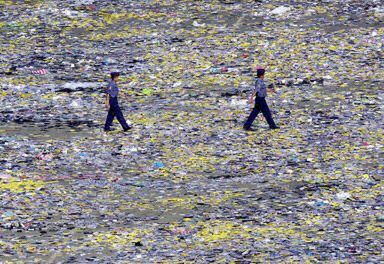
[(187, 184)]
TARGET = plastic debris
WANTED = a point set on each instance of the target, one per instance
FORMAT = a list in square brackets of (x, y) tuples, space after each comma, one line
[(280, 10), (187, 184)]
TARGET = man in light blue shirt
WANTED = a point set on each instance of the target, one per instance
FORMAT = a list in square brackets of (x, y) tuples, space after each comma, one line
[(113, 104), (260, 91)]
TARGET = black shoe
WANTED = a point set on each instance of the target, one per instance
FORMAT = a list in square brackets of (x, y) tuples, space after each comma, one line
[(107, 130), (248, 129), (126, 129), (275, 127)]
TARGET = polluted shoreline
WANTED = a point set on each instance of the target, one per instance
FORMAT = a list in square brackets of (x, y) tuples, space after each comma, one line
[(187, 184)]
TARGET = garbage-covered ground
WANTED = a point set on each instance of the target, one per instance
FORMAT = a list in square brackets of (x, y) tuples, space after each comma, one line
[(187, 184)]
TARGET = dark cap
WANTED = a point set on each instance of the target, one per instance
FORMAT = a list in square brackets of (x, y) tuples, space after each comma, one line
[(115, 74), (260, 72)]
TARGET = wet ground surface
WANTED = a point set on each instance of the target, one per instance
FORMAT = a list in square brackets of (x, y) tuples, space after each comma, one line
[(187, 184)]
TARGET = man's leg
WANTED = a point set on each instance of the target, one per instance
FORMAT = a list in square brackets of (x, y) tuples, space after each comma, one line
[(267, 114), (110, 117), (121, 119), (252, 116)]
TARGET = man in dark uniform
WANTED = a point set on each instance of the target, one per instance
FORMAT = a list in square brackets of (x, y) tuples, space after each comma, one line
[(260, 91), (113, 105)]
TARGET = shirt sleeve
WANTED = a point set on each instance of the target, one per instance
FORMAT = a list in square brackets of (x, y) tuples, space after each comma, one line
[(112, 90), (257, 86), (109, 89)]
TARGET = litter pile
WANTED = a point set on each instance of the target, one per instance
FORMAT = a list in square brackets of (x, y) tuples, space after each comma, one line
[(187, 184)]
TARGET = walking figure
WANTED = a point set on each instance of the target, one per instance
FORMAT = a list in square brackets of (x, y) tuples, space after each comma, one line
[(260, 91), (113, 104)]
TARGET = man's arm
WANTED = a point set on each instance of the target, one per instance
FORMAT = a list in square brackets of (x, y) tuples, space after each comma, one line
[(107, 97), (251, 97), (107, 101), (271, 88), (254, 92)]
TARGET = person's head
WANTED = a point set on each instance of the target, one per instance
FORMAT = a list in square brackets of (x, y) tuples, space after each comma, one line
[(115, 76), (260, 73)]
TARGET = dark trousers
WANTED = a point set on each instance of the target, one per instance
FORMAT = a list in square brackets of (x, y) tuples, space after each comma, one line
[(260, 106), (114, 110)]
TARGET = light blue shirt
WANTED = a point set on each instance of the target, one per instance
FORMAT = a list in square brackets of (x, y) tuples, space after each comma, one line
[(112, 89), (260, 88)]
